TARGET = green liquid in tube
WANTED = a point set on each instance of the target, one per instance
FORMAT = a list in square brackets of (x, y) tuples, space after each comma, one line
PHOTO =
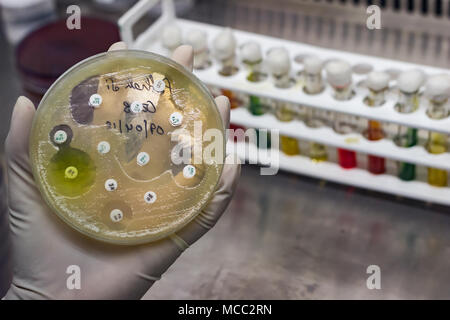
[(407, 171), (257, 109), (255, 106)]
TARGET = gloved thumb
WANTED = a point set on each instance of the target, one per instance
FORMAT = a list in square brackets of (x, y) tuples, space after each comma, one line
[(22, 192), (18, 137)]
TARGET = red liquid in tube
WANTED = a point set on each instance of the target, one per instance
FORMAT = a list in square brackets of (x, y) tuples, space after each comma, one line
[(376, 165), (347, 158)]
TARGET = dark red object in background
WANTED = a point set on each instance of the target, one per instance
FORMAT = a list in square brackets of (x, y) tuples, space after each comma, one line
[(237, 135), (46, 53), (376, 165)]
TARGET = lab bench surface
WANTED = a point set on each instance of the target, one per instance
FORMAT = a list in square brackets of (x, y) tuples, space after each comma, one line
[(292, 237)]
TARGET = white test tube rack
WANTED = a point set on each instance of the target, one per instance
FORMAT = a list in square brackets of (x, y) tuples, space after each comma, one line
[(150, 40)]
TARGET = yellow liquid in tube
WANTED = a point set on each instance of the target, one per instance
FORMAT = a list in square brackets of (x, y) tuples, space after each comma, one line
[(437, 144), (289, 146), (101, 147), (318, 152)]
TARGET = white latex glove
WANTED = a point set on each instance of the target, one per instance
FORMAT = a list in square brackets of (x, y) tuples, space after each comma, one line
[(5, 252), (43, 246)]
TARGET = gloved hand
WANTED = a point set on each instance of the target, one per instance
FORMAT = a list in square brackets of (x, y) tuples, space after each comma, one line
[(43, 246)]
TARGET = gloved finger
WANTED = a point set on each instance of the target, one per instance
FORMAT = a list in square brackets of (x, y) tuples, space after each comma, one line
[(118, 46), (223, 104), (208, 217), (184, 55), (16, 145), (5, 251)]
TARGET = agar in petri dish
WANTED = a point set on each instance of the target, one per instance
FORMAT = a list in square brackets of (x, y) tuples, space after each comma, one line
[(114, 147)]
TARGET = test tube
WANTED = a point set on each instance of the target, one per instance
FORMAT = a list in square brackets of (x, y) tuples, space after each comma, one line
[(378, 84), (437, 144), (225, 52), (224, 46), (315, 118), (409, 83), (313, 75), (437, 91), (339, 76), (198, 40), (252, 59), (280, 66), (171, 38), (313, 84)]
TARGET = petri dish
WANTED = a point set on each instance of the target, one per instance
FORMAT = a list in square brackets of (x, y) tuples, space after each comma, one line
[(127, 147)]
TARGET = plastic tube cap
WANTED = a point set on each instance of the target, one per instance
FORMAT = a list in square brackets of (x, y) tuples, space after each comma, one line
[(410, 81), (339, 73), (438, 85), (313, 65), (278, 61), (197, 39), (225, 44), (377, 80), (171, 37), (251, 52)]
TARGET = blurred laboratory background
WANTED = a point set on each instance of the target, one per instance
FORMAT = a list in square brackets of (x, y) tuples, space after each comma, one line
[(359, 93)]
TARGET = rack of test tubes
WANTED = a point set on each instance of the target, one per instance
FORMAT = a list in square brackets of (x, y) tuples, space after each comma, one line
[(359, 120)]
